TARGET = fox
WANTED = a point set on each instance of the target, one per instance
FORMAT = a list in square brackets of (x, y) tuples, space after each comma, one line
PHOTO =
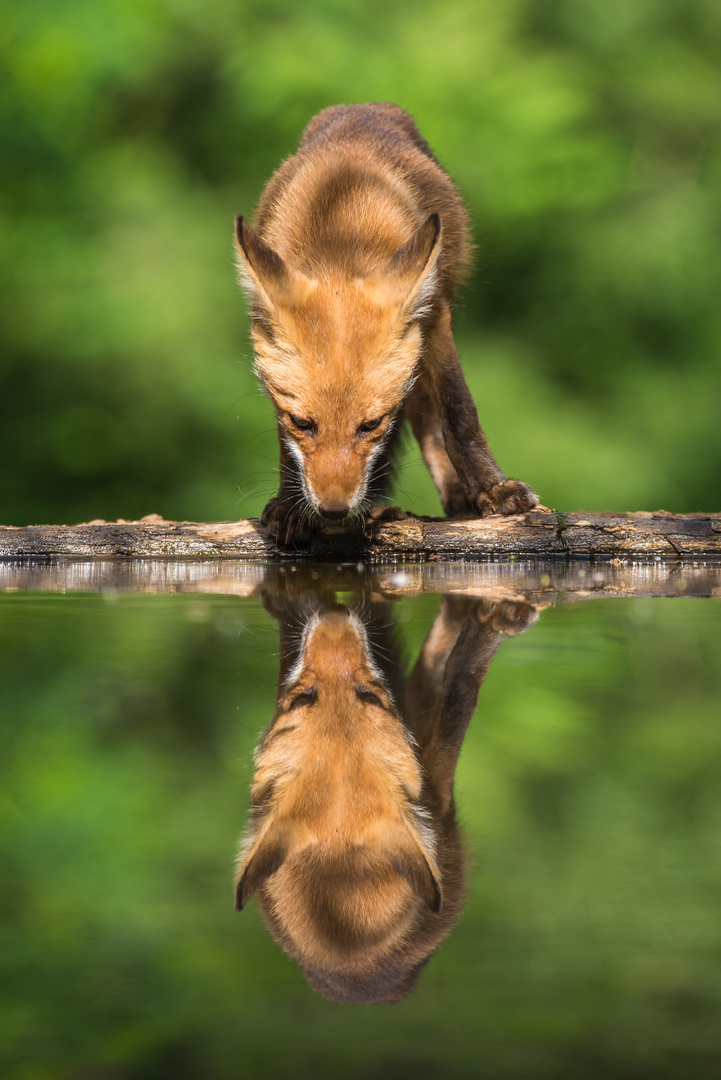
[(351, 267), (353, 850)]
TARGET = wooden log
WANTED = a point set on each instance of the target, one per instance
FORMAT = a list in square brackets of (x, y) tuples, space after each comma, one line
[(541, 532)]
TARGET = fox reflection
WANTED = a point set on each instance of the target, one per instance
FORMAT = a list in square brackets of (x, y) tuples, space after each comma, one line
[(353, 850)]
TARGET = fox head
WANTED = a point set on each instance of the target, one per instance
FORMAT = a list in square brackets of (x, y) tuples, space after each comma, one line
[(337, 354), (353, 876)]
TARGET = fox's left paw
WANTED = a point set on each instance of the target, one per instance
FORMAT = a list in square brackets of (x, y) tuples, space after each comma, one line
[(507, 497), (508, 617), (387, 513)]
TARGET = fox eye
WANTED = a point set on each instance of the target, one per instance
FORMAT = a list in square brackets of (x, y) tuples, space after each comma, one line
[(369, 425), (301, 423), (308, 697), (369, 698)]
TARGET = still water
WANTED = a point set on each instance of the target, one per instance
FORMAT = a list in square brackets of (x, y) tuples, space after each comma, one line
[(472, 816)]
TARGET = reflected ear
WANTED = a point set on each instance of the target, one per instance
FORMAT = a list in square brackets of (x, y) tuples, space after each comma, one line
[(409, 277), (265, 858), (410, 858), (264, 275)]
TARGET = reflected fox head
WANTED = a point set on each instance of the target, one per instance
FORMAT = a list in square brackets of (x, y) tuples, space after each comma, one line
[(355, 874), (336, 351)]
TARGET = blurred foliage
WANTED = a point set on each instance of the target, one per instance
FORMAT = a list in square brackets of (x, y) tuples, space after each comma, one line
[(588, 789), (585, 137)]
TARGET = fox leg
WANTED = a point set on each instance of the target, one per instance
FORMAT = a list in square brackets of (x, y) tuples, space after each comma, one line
[(487, 489), (426, 426), (442, 690)]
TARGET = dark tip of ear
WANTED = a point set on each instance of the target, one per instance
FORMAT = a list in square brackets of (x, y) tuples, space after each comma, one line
[(258, 869), (415, 868), (430, 232), (241, 899), (416, 252), (239, 227), (430, 890)]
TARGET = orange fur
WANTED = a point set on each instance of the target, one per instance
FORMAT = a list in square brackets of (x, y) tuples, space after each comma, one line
[(353, 850), (359, 243), (355, 876)]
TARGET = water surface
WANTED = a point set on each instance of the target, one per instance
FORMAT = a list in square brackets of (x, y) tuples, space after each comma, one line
[(579, 876)]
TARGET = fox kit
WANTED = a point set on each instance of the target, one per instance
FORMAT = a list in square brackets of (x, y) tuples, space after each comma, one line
[(360, 241), (353, 850)]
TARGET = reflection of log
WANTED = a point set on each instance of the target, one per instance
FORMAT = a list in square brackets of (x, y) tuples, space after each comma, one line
[(541, 532), (539, 581)]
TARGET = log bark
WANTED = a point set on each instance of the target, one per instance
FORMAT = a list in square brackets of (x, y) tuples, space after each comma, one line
[(657, 535)]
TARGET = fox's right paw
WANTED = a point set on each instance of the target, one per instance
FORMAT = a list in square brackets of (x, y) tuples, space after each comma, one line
[(290, 522), (507, 497), (508, 617)]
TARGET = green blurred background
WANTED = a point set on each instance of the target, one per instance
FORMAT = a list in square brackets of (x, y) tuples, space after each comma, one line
[(584, 136), (587, 790)]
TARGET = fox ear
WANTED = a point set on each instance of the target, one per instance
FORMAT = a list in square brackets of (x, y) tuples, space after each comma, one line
[(410, 275), (264, 859), (264, 275), (410, 858)]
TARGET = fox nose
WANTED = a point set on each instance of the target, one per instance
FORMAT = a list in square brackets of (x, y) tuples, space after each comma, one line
[(334, 511)]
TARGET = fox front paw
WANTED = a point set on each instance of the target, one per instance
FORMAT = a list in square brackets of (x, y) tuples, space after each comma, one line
[(507, 497), (290, 522), (387, 513), (510, 617)]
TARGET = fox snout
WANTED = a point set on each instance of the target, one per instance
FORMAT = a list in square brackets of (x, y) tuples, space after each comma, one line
[(335, 476), (334, 507), (334, 500)]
